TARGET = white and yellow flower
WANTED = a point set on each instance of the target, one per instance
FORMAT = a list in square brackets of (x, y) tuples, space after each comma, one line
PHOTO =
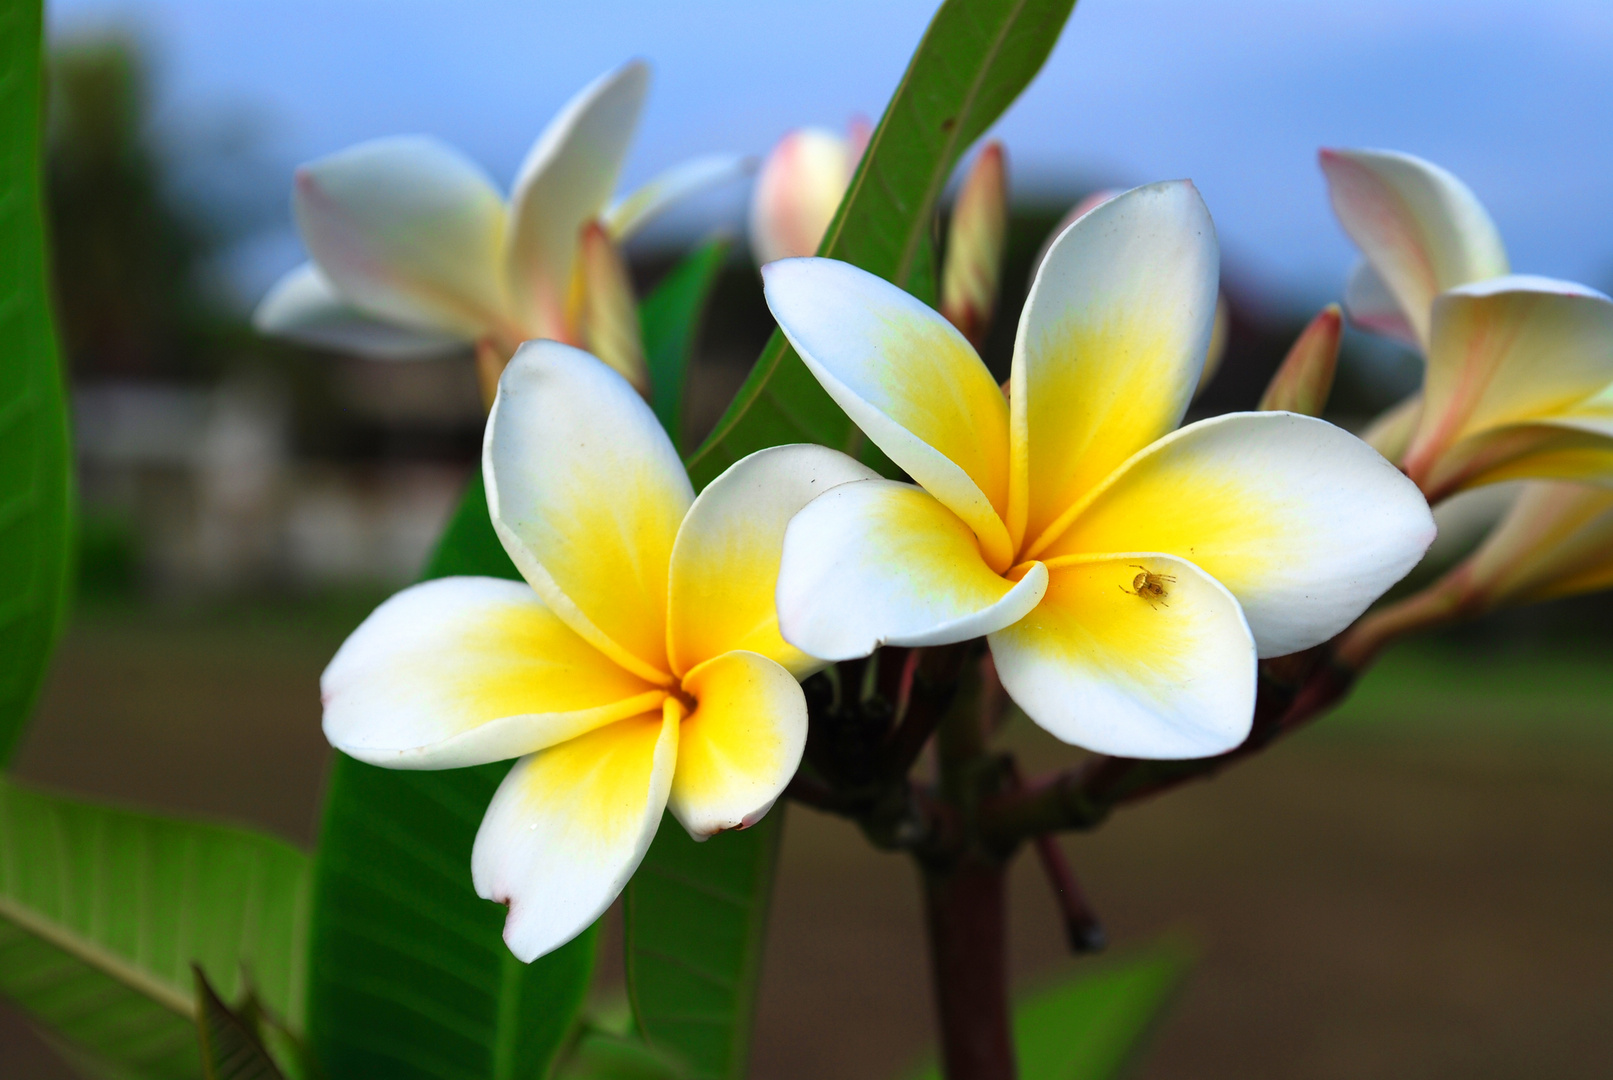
[(638, 669), (415, 253), (1127, 575), (1518, 367)]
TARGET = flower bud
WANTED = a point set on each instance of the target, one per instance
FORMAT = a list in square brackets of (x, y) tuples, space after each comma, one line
[(798, 191), (609, 315), (975, 245), (1305, 378)]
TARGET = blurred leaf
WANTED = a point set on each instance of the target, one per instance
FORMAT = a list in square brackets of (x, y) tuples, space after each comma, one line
[(103, 912), (229, 1045), (409, 974), (695, 918), (670, 317), (600, 1055), (1094, 1025), (34, 465), (974, 60)]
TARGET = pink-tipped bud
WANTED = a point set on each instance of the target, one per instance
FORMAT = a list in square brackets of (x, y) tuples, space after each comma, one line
[(1305, 379), (797, 193), (609, 315), (975, 244)]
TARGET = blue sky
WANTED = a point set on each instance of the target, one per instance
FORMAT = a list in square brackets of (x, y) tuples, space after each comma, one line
[(1516, 97)]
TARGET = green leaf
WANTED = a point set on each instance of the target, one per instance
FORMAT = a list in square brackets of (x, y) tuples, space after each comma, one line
[(409, 974), (229, 1047), (670, 318), (600, 1055), (34, 462), (694, 922), (974, 60), (1093, 1026), (103, 911)]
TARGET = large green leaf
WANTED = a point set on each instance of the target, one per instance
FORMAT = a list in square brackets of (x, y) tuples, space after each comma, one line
[(1093, 1026), (103, 911), (695, 918), (409, 975), (34, 476), (670, 318), (974, 60)]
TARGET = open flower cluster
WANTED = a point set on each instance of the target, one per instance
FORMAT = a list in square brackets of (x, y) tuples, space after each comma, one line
[(1128, 573)]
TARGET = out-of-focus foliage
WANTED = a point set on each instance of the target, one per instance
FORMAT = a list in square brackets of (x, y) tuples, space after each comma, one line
[(130, 252), (1094, 1025)]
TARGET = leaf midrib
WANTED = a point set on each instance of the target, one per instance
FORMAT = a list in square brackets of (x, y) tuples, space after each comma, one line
[(101, 959)]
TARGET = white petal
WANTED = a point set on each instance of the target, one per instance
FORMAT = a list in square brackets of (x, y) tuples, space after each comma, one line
[(586, 493), (631, 213), (303, 307), (1422, 229), (1302, 521), (467, 670), (570, 824), (740, 746), (908, 379), (725, 563), (1373, 307), (565, 182), (1111, 343), (407, 230), (876, 562), (1165, 670)]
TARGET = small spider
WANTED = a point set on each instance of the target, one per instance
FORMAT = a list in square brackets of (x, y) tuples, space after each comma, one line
[(1149, 585)]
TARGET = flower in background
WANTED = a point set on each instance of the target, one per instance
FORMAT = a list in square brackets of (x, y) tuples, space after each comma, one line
[(1127, 575), (639, 668), (414, 252), (799, 187), (1518, 367)]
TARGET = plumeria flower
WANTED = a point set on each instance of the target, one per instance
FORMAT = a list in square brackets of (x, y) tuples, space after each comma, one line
[(1127, 575), (799, 188), (639, 668), (414, 252), (1518, 367)]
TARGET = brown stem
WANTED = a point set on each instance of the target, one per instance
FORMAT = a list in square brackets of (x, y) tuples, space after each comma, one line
[(1082, 929), (965, 908), (965, 888)]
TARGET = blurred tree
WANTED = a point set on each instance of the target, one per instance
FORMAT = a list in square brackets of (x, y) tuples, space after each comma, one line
[(129, 253)]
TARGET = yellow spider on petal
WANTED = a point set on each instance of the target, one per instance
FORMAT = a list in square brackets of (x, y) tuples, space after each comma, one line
[(638, 668), (1127, 574)]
